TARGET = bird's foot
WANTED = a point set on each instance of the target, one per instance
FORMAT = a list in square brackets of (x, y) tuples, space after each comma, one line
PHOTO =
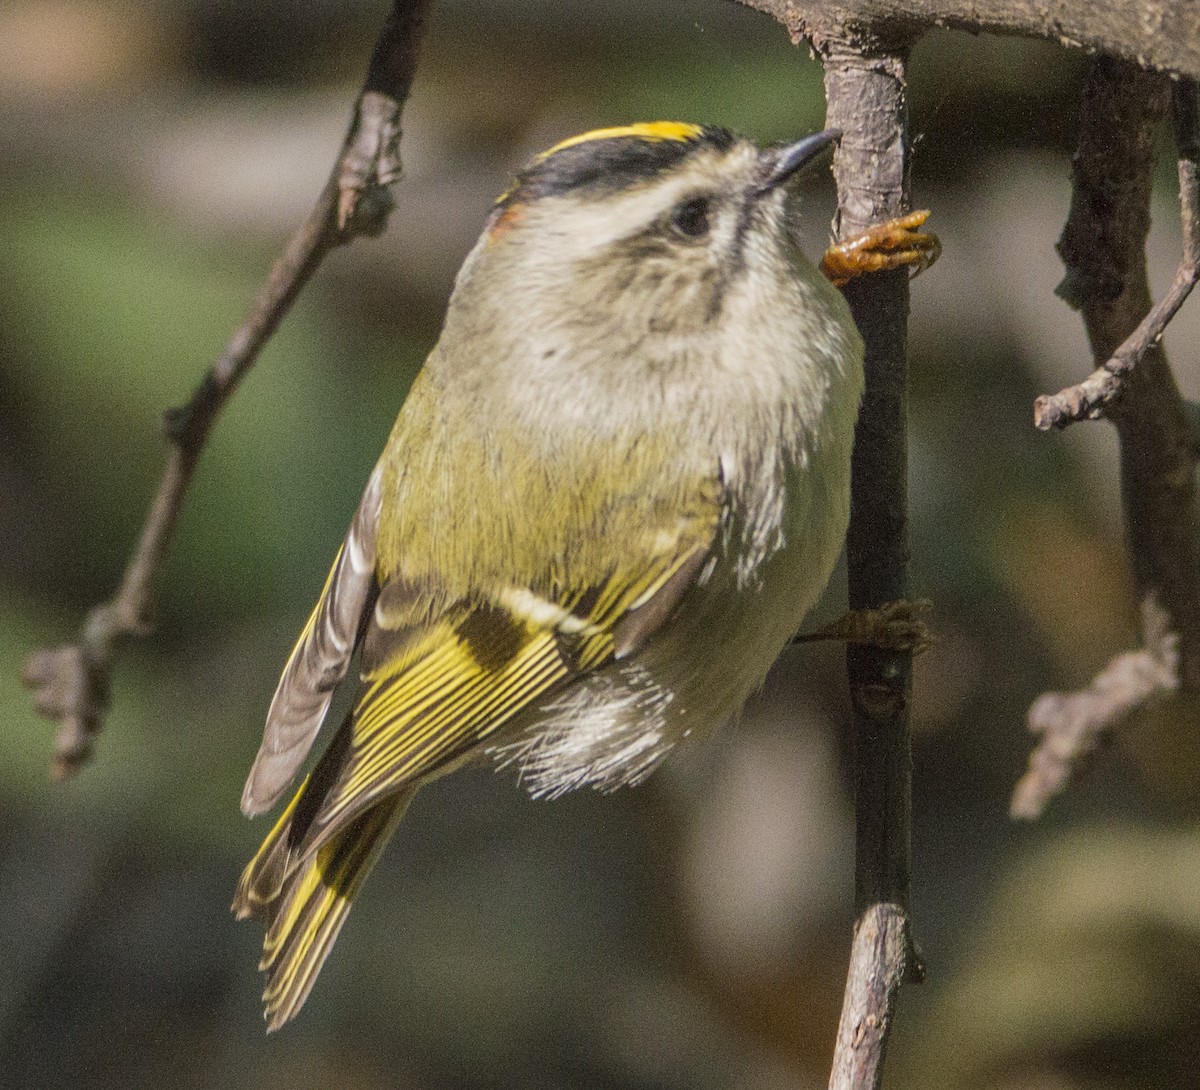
[(892, 245), (894, 626)]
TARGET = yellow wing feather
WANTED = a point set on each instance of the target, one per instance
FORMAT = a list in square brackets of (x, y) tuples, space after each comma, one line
[(310, 911), (415, 717), (459, 672)]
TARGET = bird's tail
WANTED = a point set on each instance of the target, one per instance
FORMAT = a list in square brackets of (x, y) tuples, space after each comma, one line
[(303, 899)]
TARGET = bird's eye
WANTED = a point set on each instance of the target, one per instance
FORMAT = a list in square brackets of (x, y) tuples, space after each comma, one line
[(690, 218)]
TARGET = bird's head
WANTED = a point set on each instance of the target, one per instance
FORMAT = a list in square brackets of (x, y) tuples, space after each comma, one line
[(661, 221)]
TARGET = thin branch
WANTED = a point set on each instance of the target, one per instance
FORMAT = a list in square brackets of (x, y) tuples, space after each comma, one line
[(71, 683), (1159, 34), (1072, 726), (880, 957), (866, 93), (1103, 247)]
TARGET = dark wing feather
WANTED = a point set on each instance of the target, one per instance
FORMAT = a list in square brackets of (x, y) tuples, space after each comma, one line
[(318, 661)]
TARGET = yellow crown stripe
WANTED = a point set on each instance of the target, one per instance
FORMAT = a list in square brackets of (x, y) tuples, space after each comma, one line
[(643, 130), (680, 131)]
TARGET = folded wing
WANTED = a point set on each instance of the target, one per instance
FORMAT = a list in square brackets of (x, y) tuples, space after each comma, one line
[(441, 676), (318, 662)]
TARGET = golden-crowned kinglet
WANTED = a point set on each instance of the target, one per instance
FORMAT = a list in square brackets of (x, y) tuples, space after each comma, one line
[(614, 491)]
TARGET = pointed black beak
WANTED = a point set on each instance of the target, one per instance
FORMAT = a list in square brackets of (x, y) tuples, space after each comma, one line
[(780, 164)]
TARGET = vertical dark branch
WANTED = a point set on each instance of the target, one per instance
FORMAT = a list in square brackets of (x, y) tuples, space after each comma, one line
[(877, 543), (866, 92), (1158, 489), (1103, 248)]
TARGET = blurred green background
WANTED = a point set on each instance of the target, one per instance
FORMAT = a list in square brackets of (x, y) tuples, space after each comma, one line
[(691, 933)]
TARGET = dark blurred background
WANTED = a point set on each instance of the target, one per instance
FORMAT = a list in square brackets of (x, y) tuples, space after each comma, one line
[(688, 934)]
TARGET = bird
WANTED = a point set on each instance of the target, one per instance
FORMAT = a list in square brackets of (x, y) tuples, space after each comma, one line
[(613, 492)]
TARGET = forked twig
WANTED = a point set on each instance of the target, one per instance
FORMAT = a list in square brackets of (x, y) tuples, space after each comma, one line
[(1072, 726), (71, 683)]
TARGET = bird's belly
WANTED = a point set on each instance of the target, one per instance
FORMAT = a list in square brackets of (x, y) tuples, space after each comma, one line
[(724, 651)]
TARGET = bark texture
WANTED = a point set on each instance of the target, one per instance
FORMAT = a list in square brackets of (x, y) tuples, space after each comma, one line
[(1159, 34), (867, 99)]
